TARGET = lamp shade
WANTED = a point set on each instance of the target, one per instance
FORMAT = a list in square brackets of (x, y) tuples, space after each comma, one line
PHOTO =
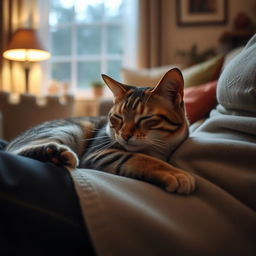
[(25, 46)]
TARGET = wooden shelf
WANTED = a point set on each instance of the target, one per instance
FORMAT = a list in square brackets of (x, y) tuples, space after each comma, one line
[(235, 38)]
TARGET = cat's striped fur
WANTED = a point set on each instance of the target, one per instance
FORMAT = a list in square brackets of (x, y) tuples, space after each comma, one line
[(143, 128)]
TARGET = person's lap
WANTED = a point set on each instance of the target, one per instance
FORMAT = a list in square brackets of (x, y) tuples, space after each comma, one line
[(39, 210)]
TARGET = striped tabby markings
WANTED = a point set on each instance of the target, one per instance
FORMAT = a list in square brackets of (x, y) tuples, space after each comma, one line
[(88, 129), (140, 166)]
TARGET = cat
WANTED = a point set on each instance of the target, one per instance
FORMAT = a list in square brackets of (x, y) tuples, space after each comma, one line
[(143, 128)]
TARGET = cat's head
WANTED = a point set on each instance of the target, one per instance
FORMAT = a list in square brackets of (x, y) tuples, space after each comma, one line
[(148, 117)]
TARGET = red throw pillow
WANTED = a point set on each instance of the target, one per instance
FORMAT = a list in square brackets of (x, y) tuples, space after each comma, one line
[(200, 100)]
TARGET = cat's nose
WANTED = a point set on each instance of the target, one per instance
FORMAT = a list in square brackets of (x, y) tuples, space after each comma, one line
[(126, 136)]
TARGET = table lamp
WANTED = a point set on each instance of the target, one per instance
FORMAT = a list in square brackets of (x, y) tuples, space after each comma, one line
[(25, 46)]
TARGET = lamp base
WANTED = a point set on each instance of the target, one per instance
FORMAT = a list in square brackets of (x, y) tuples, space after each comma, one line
[(27, 71)]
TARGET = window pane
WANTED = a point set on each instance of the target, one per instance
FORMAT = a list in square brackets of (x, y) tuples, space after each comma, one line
[(114, 67), (113, 9), (61, 11), (88, 10), (61, 72), (89, 40), (114, 40), (61, 42), (88, 72)]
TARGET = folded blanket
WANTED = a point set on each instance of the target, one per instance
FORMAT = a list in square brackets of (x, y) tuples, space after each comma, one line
[(130, 217)]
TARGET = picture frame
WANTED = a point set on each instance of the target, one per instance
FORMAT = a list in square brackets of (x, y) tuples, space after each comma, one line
[(201, 12)]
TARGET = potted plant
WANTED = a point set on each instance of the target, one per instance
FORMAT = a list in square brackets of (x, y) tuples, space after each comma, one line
[(98, 88)]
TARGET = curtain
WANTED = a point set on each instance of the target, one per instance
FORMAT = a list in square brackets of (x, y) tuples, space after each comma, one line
[(10, 21), (14, 14), (150, 33)]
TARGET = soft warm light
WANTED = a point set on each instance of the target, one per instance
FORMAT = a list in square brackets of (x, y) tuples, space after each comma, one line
[(25, 46), (26, 55)]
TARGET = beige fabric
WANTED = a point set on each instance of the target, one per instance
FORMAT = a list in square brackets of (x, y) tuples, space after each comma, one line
[(198, 74), (145, 77)]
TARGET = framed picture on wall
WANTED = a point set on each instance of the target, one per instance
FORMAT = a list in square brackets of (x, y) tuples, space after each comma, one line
[(201, 12)]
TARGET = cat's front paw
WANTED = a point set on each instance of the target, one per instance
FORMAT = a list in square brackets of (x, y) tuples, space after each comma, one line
[(179, 181), (61, 155), (52, 152)]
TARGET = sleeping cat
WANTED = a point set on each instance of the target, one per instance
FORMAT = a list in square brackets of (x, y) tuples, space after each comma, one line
[(144, 126)]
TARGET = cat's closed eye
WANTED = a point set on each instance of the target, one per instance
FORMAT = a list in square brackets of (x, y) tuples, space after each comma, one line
[(148, 122), (151, 123), (116, 120)]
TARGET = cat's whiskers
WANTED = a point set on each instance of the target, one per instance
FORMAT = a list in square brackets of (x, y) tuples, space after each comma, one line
[(104, 147), (103, 143), (100, 137), (159, 150), (158, 145), (95, 129)]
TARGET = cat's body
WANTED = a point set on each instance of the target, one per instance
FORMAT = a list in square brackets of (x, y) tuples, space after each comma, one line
[(143, 128)]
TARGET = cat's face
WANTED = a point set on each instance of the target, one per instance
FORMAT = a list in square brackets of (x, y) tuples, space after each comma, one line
[(144, 117)]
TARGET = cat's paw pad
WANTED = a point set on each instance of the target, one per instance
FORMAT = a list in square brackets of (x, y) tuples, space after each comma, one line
[(180, 182), (51, 152), (61, 155)]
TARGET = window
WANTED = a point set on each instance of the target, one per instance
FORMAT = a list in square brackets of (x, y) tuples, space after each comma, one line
[(86, 38)]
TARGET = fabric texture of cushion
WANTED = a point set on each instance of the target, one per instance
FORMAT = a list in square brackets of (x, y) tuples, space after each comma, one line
[(203, 72), (145, 77), (200, 100), (236, 90), (195, 75)]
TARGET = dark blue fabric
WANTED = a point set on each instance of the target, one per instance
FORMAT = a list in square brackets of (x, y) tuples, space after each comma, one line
[(39, 210), (3, 144)]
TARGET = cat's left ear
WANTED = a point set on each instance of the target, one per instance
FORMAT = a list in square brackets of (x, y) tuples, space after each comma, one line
[(171, 86), (117, 88)]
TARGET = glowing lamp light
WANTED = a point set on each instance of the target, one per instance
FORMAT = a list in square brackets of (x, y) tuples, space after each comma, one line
[(26, 55), (25, 46)]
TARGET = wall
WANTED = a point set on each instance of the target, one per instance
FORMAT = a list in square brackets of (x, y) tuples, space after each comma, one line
[(182, 38)]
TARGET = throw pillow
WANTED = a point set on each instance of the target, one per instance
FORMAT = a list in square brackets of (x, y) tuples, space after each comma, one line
[(200, 100), (145, 77), (203, 72)]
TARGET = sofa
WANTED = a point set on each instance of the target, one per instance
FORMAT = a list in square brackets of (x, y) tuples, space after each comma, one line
[(26, 110), (89, 212)]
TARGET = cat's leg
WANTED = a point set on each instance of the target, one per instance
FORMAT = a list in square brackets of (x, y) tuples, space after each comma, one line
[(143, 167), (60, 142), (50, 152)]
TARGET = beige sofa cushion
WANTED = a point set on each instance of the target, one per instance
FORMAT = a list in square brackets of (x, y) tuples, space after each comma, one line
[(195, 75)]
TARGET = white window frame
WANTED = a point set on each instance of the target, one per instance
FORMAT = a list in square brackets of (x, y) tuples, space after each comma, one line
[(127, 58)]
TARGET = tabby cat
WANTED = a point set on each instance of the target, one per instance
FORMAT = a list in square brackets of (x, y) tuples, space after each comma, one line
[(144, 126)]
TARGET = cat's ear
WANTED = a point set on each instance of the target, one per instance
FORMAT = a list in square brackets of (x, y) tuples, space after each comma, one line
[(171, 86), (117, 88)]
